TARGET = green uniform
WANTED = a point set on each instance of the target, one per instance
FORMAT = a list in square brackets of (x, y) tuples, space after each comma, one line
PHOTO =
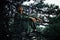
[(21, 20), (21, 24)]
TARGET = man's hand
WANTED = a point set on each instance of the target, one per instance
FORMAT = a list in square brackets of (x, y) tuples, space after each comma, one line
[(33, 19), (40, 20)]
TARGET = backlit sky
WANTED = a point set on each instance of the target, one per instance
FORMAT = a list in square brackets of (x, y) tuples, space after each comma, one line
[(56, 2)]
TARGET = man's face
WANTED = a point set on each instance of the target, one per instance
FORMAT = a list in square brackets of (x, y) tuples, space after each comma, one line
[(20, 9)]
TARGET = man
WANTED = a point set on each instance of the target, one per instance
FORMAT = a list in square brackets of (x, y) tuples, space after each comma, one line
[(21, 24), (25, 16)]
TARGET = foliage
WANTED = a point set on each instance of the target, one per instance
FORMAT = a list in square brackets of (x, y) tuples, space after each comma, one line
[(50, 32)]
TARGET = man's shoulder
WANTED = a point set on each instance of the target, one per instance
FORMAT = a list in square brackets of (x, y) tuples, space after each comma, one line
[(25, 14)]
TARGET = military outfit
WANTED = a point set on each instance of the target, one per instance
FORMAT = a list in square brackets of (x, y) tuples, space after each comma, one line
[(22, 25)]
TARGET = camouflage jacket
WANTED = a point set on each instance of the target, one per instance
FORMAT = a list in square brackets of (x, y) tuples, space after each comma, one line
[(21, 23)]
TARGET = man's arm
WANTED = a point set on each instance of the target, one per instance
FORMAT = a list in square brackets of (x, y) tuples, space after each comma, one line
[(26, 17)]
